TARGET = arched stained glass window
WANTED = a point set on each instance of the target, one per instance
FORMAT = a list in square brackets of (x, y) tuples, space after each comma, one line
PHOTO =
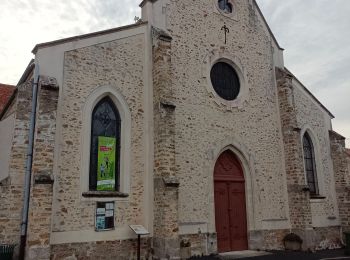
[(105, 147), (310, 165)]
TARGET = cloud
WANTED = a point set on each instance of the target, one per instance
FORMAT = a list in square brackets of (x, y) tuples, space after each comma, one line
[(316, 36), (24, 23)]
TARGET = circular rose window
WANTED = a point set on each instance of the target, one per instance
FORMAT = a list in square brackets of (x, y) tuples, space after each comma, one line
[(225, 80)]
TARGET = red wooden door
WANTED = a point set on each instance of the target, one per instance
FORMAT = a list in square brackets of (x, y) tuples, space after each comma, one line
[(230, 208), (222, 217)]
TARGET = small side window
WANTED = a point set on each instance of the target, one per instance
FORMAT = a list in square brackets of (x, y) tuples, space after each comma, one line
[(310, 165)]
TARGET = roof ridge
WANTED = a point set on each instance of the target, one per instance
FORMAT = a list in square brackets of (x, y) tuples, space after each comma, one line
[(87, 35), (267, 25), (310, 93)]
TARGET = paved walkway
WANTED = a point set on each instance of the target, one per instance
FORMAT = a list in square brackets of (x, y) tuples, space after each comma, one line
[(283, 255), (243, 254), (319, 255)]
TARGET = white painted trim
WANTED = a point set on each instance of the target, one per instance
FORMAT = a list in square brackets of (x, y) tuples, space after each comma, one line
[(193, 228), (215, 56), (85, 236), (51, 58), (275, 224), (125, 145), (148, 197), (7, 126), (156, 13)]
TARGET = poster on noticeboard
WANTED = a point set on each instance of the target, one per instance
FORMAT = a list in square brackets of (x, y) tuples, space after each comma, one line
[(104, 216), (106, 163)]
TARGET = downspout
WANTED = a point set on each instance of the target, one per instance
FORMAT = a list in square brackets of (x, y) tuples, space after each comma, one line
[(28, 172)]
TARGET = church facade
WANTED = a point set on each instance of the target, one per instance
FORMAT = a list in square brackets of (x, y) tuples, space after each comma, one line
[(186, 123)]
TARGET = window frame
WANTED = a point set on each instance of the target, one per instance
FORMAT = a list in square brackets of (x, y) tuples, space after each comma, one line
[(218, 55), (220, 85), (227, 4), (125, 145), (231, 15), (306, 137), (93, 175)]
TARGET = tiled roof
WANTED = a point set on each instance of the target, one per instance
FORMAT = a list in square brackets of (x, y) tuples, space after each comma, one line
[(6, 92)]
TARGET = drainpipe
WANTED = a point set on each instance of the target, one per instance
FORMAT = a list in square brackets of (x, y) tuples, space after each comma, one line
[(28, 173)]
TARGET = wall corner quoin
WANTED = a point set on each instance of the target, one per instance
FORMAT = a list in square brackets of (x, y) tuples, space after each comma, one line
[(162, 71), (161, 34), (283, 78), (166, 184), (39, 226), (299, 202), (341, 167), (337, 140), (12, 187), (43, 160), (161, 40)]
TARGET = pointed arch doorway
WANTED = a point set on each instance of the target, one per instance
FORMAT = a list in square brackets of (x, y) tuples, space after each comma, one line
[(230, 203)]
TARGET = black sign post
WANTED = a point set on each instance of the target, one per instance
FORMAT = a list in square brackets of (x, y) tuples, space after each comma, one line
[(139, 231), (138, 247)]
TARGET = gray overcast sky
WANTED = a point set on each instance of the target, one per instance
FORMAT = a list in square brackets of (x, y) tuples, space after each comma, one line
[(315, 34)]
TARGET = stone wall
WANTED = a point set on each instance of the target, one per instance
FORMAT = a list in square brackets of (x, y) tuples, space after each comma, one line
[(204, 244), (342, 177), (311, 217), (327, 238), (192, 126), (11, 189), (6, 136), (119, 67), (40, 210), (299, 200), (320, 238), (315, 120), (121, 250), (166, 242), (268, 239), (205, 125), (194, 245)]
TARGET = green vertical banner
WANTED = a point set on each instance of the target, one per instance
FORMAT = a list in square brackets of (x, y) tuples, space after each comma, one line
[(106, 163)]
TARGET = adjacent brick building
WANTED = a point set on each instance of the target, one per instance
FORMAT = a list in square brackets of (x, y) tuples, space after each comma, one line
[(186, 123), (6, 92)]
